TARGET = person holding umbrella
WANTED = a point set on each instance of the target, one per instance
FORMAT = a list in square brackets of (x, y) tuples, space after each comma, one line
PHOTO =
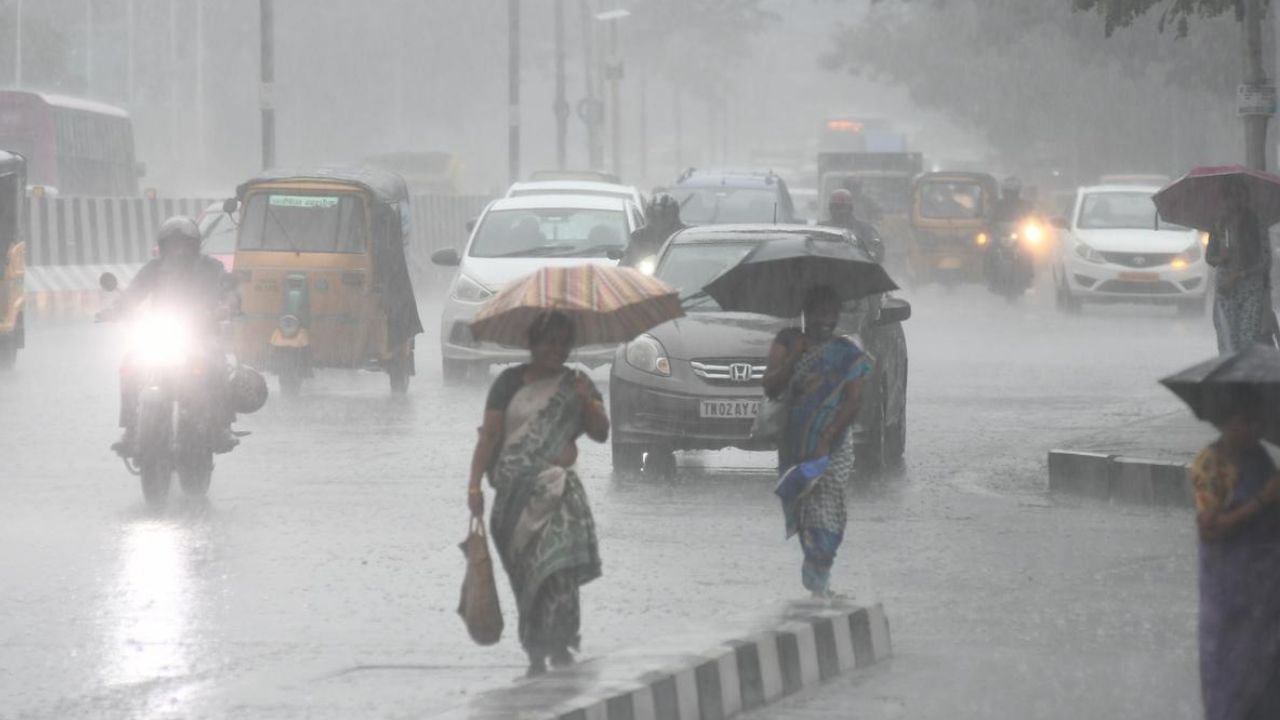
[(541, 522), (821, 376), (1237, 499)]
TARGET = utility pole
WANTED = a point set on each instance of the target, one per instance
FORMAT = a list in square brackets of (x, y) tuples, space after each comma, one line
[(17, 46), (678, 111), (561, 107), (174, 113), (644, 128), (266, 92), (88, 47), (1257, 97), (200, 108), (589, 108), (613, 71), (128, 21), (513, 90)]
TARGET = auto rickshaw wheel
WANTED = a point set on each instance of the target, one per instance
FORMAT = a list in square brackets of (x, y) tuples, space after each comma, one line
[(9, 346), (290, 381)]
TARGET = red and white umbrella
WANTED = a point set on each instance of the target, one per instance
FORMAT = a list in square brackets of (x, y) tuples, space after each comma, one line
[(1200, 199)]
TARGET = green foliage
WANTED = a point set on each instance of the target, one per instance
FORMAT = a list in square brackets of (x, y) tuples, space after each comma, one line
[(1173, 13)]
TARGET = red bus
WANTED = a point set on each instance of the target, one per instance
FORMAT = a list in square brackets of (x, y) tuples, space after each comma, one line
[(72, 146)]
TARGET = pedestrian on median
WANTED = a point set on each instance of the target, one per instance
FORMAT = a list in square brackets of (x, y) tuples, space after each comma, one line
[(1240, 251), (820, 377), (541, 523), (1236, 490)]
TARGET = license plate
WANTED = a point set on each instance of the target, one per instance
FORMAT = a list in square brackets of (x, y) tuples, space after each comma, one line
[(730, 409), (1140, 277), (950, 263)]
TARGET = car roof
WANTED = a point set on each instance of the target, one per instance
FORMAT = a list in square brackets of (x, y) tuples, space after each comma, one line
[(1087, 189), (754, 233), (728, 178), (576, 202), (562, 185)]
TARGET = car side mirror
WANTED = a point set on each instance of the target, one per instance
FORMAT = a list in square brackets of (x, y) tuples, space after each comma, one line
[(229, 205), (471, 225), (894, 311), (108, 281), (447, 257), (1060, 223)]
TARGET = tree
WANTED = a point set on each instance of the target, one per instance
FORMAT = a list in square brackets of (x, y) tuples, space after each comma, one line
[(1123, 13)]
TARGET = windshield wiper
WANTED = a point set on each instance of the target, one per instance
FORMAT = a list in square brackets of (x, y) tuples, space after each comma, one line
[(598, 250), (538, 251)]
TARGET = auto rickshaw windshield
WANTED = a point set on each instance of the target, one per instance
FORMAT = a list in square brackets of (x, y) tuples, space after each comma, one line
[(303, 223), (952, 199)]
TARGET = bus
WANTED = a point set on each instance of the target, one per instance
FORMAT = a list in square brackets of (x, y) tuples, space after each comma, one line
[(72, 146)]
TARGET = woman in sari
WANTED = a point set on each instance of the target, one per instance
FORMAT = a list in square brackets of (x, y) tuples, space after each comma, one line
[(1236, 491), (820, 376), (1240, 252), (541, 523)]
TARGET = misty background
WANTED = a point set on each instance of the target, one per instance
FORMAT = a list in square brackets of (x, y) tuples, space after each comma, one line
[(1008, 85)]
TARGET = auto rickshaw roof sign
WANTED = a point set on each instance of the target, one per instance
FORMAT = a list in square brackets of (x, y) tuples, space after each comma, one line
[(303, 201)]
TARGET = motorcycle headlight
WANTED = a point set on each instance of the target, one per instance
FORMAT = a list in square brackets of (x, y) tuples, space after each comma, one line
[(646, 354), (1033, 233), (161, 339), (982, 239), (647, 265), (1188, 257), (1089, 254), (468, 290)]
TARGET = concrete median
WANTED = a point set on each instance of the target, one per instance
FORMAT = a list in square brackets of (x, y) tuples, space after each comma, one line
[(1119, 479)]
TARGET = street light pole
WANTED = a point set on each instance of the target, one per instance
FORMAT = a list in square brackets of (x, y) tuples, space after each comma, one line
[(1256, 119), (128, 21), (561, 107), (267, 17), (200, 109), (88, 47), (17, 46), (513, 90)]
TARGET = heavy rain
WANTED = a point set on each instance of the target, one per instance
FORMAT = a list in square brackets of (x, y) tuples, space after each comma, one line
[(646, 359)]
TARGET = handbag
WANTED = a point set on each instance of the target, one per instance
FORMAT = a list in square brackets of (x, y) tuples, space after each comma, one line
[(479, 603), (769, 423)]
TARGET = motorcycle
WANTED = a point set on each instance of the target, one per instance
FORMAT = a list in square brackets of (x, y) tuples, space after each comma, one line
[(168, 363), (1010, 258)]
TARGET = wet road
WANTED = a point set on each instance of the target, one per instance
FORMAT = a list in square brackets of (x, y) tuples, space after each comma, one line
[(321, 576)]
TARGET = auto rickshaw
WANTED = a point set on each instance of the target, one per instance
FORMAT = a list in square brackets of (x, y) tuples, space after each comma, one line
[(13, 257), (950, 226), (320, 256)]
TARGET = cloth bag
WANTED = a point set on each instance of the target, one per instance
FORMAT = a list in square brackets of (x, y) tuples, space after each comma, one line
[(771, 420), (479, 603)]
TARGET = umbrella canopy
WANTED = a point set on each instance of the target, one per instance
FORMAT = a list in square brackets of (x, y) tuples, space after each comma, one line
[(1218, 388), (607, 305), (775, 276), (1199, 198)]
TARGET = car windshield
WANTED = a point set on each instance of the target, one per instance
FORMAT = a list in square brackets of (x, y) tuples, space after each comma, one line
[(303, 223), (722, 205), (551, 232), (689, 267), (1121, 211), (219, 234), (952, 200)]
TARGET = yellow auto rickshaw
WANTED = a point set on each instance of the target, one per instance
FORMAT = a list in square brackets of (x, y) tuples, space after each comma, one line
[(13, 257), (950, 226), (320, 256)]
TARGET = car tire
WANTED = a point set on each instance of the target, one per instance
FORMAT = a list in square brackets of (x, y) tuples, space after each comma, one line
[(659, 464), (869, 456), (627, 458), (1064, 300)]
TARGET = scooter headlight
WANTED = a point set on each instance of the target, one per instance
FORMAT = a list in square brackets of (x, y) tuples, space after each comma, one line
[(161, 338)]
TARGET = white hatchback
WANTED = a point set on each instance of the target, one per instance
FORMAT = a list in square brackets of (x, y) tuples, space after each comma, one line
[(577, 187), (1115, 248), (512, 238)]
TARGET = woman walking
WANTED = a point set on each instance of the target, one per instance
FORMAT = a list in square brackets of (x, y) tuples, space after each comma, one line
[(1240, 252), (1236, 492), (820, 376), (541, 522)]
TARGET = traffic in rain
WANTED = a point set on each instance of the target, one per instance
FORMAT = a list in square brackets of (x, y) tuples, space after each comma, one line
[(639, 359)]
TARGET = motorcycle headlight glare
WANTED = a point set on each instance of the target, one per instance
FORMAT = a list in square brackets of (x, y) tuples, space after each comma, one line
[(1032, 233), (646, 354), (647, 265), (1089, 254), (161, 339), (468, 290)]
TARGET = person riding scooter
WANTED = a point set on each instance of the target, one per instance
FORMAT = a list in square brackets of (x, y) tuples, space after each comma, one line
[(663, 221), (180, 276), (1008, 262)]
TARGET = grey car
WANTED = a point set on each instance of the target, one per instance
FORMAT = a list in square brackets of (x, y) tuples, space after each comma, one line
[(695, 383)]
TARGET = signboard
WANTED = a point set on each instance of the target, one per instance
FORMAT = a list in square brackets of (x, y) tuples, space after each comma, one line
[(303, 201), (1256, 100)]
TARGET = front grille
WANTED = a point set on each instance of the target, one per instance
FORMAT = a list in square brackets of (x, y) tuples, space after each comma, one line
[(727, 371), (1139, 260), (1127, 287)]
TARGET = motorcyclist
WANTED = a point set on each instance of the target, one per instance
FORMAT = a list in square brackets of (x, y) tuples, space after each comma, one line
[(663, 221), (1009, 212), (181, 276), (841, 213), (1012, 206), (864, 206)]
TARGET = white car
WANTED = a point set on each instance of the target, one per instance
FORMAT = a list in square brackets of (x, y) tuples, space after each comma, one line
[(577, 187), (1114, 248), (512, 238)]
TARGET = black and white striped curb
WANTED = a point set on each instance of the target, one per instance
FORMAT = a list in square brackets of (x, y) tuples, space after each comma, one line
[(1118, 478), (807, 645)]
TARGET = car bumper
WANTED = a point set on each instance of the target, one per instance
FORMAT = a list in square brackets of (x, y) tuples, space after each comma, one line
[(1117, 283), (456, 342)]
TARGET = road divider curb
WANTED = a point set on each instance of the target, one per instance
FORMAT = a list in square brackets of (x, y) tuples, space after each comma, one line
[(1119, 479), (803, 646)]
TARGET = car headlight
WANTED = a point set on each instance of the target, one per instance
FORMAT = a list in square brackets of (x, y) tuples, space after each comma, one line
[(1188, 257), (1089, 254), (468, 290), (646, 354)]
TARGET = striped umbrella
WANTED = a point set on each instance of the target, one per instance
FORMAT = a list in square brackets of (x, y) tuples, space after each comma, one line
[(608, 305)]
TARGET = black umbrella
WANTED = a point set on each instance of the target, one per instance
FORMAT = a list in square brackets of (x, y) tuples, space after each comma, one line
[(1218, 388), (774, 277)]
